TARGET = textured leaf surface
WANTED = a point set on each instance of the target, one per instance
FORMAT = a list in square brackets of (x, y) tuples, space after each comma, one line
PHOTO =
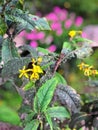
[(84, 51), (27, 21), (12, 66), (9, 50), (58, 112), (68, 97), (48, 117), (33, 125), (44, 95)]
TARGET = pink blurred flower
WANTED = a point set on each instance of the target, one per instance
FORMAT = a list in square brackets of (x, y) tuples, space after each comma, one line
[(59, 31), (84, 35), (40, 35), (63, 15), (52, 17), (55, 25), (33, 44), (56, 9), (68, 23), (23, 33), (31, 36), (78, 21), (52, 48)]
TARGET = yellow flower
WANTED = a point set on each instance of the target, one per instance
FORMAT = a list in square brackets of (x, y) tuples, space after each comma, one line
[(87, 71), (82, 66), (32, 72), (94, 72), (33, 61), (34, 76), (37, 69), (72, 33), (23, 72)]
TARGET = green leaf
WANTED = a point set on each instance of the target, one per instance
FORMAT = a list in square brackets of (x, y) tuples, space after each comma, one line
[(21, 1), (45, 66), (44, 95), (3, 27), (80, 39), (6, 112), (60, 78), (42, 24), (33, 125), (27, 21), (29, 117), (29, 85), (14, 65), (67, 45), (9, 50), (44, 51), (48, 118), (58, 112)]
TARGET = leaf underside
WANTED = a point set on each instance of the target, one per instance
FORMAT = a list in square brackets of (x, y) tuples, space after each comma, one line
[(68, 97)]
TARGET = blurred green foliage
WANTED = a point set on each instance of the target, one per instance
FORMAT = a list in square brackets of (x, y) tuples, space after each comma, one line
[(7, 114), (10, 102), (86, 9)]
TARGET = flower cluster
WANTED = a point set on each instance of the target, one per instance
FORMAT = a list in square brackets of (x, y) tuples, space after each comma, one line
[(34, 72), (61, 23), (87, 69)]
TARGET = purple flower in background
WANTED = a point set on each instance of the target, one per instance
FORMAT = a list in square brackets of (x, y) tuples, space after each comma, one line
[(63, 15), (68, 23), (32, 35), (84, 35), (40, 35), (59, 31), (52, 17), (33, 44), (55, 26), (56, 9), (78, 21), (61, 21), (91, 32), (52, 48)]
